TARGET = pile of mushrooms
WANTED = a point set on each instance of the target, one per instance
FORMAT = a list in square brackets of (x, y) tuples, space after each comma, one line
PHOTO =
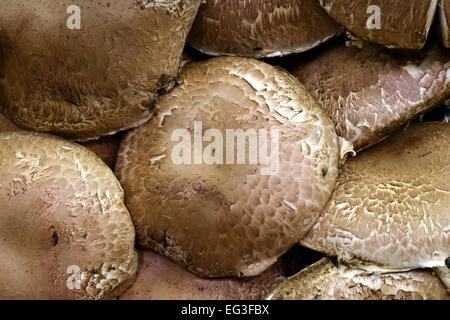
[(240, 149)]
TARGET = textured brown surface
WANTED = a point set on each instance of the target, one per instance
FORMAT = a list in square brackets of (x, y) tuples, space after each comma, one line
[(105, 147), (61, 206), (444, 15), (257, 28), (391, 205), (369, 93), (160, 279), (222, 219), (403, 24), (324, 281), (95, 81)]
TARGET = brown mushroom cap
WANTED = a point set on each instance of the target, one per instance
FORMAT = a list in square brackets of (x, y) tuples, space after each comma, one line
[(324, 281), (391, 203), (444, 15), (403, 24), (229, 219), (160, 279), (370, 93), (103, 78), (62, 219), (255, 28), (105, 147)]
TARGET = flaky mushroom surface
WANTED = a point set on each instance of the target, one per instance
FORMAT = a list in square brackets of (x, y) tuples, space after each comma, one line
[(65, 232), (226, 218), (93, 81), (255, 28), (393, 23), (370, 93), (159, 278), (325, 281), (391, 203)]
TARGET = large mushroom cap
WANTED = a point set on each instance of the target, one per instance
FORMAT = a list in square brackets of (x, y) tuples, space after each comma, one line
[(370, 93), (324, 281), (160, 279), (94, 81), (64, 230), (255, 28), (444, 14), (226, 218), (393, 23), (391, 203)]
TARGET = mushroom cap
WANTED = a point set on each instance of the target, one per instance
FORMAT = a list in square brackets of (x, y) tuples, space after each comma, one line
[(160, 279), (402, 24), (103, 78), (105, 147), (391, 203), (325, 281), (255, 28), (370, 93), (62, 219), (444, 15), (225, 219)]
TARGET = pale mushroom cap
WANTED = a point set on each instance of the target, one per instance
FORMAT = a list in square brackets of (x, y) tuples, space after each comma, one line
[(370, 93), (160, 279), (391, 203), (444, 15), (255, 28), (103, 78), (325, 281), (402, 24), (62, 219), (230, 219)]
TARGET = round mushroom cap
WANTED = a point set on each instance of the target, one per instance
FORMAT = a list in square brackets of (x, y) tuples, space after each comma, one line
[(65, 232), (160, 279), (325, 281), (255, 28), (394, 24), (444, 15), (94, 81), (391, 203), (371, 92), (229, 207)]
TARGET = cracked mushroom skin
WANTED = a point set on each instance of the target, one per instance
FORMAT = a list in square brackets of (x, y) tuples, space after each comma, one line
[(65, 232), (444, 15), (226, 218), (371, 92), (84, 83), (391, 203), (159, 278), (255, 28), (392, 23), (325, 281), (105, 147)]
